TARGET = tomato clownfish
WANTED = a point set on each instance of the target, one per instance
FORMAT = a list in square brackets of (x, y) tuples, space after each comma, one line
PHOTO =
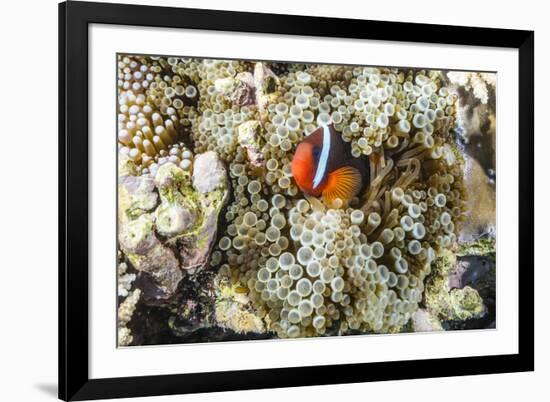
[(323, 166)]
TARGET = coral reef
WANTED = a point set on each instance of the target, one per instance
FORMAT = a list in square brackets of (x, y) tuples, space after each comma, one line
[(173, 237), (125, 312), (125, 280), (478, 83), (424, 321), (454, 290), (234, 309), (206, 196), (481, 203), (476, 123)]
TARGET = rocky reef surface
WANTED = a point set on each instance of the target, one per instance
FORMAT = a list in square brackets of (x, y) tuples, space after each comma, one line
[(216, 242)]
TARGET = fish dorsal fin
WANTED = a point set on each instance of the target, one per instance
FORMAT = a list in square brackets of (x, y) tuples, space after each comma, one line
[(322, 164), (343, 183)]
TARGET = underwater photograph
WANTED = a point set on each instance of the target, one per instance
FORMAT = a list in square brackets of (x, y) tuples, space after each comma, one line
[(269, 200)]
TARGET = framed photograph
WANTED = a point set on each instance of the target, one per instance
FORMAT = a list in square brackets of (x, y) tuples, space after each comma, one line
[(258, 200)]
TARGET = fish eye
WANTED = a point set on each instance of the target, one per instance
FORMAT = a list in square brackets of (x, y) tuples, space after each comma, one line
[(316, 152)]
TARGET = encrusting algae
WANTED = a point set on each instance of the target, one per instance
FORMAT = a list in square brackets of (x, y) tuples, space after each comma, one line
[(286, 261)]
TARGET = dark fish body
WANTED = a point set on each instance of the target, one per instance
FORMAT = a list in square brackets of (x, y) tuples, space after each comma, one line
[(323, 166)]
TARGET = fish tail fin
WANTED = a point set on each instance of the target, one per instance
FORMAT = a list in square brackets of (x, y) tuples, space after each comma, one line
[(344, 183)]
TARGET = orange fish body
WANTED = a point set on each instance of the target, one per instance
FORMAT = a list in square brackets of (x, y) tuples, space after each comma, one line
[(323, 166)]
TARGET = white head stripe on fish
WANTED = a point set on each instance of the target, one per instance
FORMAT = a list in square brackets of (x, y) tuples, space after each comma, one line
[(323, 159)]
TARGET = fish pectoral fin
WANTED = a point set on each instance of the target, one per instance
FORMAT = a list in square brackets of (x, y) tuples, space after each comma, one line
[(344, 183)]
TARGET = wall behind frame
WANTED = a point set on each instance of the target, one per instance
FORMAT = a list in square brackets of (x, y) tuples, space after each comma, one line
[(29, 132)]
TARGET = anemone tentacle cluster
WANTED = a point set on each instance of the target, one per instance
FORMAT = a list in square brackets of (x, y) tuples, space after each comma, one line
[(156, 103), (312, 268)]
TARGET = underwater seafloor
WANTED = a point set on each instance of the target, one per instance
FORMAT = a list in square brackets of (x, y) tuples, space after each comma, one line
[(216, 242)]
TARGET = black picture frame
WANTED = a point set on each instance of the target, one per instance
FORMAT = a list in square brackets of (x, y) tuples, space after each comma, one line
[(74, 19)]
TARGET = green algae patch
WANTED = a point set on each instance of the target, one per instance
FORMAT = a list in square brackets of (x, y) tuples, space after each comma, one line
[(485, 246), (466, 304), (450, 304)]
